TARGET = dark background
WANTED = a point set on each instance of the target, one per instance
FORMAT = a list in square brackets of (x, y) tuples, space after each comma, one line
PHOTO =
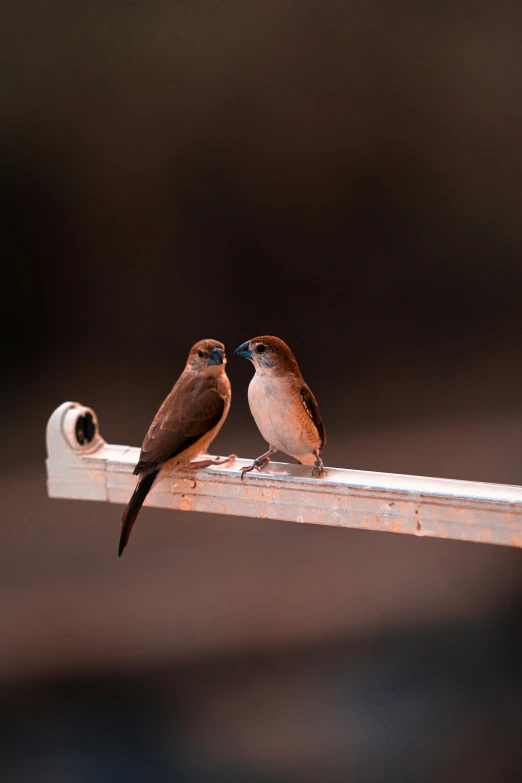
[(348, 177)]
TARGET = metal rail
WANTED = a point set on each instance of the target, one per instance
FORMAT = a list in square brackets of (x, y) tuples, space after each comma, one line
[(82, 466)]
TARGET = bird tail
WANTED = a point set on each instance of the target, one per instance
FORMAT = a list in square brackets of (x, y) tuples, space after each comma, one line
[(133, 509)]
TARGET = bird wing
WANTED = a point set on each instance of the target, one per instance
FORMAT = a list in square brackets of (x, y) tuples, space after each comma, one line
[(312, 408), (193, 407)]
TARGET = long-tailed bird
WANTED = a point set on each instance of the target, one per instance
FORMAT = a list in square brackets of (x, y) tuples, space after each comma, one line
[(185, 425), (284, 408)]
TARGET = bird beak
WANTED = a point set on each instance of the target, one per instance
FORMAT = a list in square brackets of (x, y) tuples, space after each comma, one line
[(243, 350), (216, 357)]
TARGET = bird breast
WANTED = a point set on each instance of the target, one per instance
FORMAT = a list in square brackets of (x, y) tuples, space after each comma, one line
[(278, 410)]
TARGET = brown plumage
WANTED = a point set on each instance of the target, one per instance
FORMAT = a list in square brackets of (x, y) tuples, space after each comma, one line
[(184, 426), (283, 406)]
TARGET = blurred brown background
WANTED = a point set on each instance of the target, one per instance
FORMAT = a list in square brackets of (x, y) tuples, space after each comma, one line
[(348, 177)]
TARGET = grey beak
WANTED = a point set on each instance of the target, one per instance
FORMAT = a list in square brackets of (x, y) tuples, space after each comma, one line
[(243, 350), (216, 357)]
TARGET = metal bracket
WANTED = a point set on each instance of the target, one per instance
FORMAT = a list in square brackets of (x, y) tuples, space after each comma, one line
[(82, 466)]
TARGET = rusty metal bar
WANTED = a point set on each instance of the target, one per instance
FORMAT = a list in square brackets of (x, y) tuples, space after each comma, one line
[(81, 465)]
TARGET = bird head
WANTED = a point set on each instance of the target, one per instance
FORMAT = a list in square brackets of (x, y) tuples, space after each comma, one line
[(207, 356), (268, 355)]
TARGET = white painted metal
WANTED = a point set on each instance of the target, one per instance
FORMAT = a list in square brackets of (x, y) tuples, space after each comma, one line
[(441, 508)]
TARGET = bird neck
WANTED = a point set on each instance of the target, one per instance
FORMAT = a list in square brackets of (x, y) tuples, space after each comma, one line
[(214, 370)]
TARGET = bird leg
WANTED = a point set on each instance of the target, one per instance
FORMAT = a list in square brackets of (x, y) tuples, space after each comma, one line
[(206, 463), (260, 462), (319, 469)]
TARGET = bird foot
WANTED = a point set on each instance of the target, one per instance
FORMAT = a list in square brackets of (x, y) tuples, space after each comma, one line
[(206, 463), (257, 464), (319, 470)]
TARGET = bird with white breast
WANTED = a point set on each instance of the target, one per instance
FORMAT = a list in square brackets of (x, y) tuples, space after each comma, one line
[(283, 406)]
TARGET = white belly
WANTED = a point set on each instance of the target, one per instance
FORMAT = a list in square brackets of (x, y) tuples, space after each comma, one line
[(281, 418)]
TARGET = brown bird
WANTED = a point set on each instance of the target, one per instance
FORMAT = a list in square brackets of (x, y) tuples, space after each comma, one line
[(185, 425), (284, 408)]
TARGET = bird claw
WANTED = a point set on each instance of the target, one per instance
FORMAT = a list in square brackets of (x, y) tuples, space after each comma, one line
[(256, 465), (206, 463), (319, 470), (224, 460)]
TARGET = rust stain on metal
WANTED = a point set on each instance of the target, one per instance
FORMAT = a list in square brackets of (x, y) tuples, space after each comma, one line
[(185, 503), (442, 530), (191, 483), (396, 526), (516, 541)]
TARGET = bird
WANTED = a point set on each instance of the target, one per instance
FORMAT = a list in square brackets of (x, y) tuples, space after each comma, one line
[(283, 406), (184, 426)]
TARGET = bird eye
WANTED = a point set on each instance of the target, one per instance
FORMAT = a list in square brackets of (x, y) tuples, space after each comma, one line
[(200, 353), (260, 348)]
